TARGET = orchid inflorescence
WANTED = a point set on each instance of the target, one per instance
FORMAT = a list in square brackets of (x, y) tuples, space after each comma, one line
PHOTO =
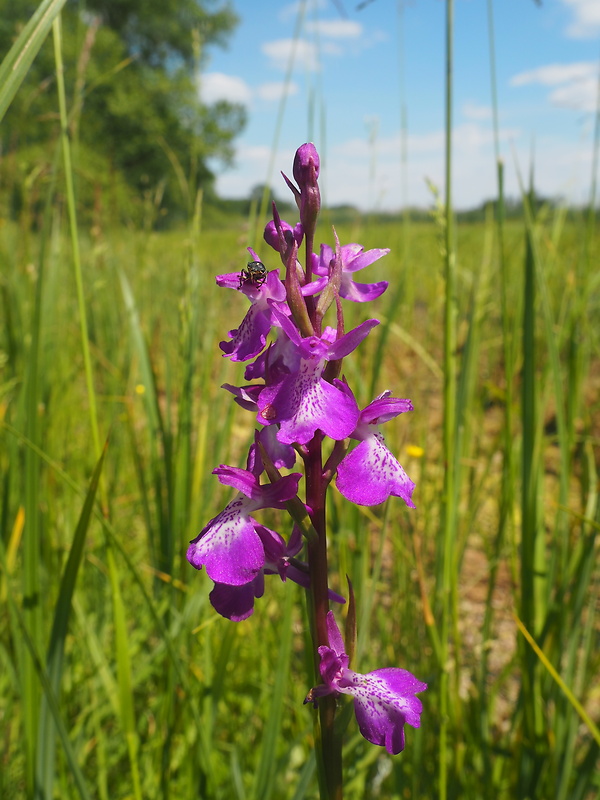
[(293, 386)]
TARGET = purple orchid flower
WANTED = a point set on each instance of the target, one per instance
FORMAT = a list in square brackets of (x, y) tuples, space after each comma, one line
[(251, 336), (384, 700), (303, 402), (354, 258), (237, 602), (369, 474), (278, 360), (229, 546)]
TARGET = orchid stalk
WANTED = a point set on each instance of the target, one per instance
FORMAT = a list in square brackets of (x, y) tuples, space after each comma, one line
[(293, 387)]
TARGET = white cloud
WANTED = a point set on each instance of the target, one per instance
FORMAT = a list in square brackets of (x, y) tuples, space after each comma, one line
[(553, 74), (336, 28), (586, 18), (370, 175), (279, 52), (214, 86), (469, 136), (275, 90), (306, 53), (465, 138), (333, 32), (580, 96), (331, 48), (251, 168), (475, 112), (577, 83)]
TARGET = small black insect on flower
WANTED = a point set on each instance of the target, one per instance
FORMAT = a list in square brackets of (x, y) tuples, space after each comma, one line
[(255, 273)]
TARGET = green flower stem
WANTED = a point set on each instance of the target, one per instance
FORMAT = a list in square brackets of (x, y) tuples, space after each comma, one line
[(309, 238), (447, 592), (72, 211), (327, 743)]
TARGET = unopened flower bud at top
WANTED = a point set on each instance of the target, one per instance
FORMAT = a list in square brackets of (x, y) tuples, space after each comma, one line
[(306, 174), (306, 165)]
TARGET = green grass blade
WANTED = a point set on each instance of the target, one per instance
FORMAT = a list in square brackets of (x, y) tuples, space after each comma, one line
[(35, 387), (70, 189), (532, 569), (265, 775), (585, 717), (446, 600), (160, 465), (126, 705), (19, 58), (53, 705), (148, 603), (54, 663), (305, 778)]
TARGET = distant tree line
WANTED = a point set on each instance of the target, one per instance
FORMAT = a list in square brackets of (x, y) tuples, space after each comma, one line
[(513, 209), (139, 131), (225, 211)]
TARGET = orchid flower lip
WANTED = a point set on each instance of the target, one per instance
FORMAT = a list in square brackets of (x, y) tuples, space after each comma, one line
[(384, 700)]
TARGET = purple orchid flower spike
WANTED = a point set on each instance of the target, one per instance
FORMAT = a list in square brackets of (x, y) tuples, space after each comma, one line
[(237, 602), (303, 402), (229, 546), (354, 258), (369, 474), (384, 700), (293, 358)]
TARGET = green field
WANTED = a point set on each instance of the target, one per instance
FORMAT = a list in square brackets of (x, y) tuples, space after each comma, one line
[(157, 695)]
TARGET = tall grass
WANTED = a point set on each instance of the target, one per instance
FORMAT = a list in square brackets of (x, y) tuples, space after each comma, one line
[(117, 678)]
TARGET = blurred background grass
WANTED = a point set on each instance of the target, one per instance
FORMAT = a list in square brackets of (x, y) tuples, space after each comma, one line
[(118, 679)]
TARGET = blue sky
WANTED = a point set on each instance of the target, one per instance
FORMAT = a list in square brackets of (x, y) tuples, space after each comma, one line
[(358, 71)]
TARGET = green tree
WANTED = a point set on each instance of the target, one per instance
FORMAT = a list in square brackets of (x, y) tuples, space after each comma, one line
[(137, 123)]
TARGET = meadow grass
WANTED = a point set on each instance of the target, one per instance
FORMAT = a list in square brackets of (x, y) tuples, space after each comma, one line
[(158, 695), (118, 679)]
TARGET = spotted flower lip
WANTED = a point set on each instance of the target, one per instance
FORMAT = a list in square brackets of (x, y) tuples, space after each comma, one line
[(384, 700), (303, 402), (370, 473), (229, 546)]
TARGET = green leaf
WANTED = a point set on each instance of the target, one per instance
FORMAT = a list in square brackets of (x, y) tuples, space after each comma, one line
[(54, 664), (15, 65)]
